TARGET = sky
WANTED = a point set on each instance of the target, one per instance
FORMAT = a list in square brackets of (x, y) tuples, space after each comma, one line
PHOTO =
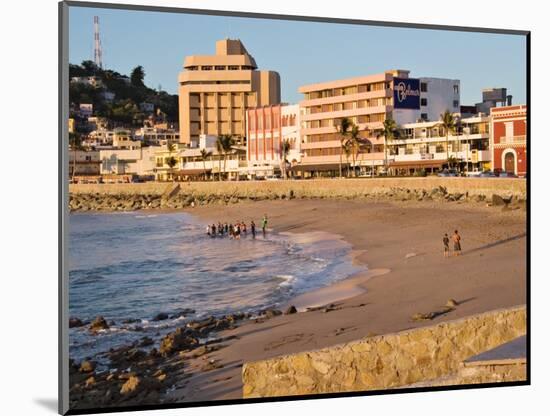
[(302, 52)]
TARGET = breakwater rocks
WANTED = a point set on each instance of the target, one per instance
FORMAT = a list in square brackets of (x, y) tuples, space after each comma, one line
[(131, 197)]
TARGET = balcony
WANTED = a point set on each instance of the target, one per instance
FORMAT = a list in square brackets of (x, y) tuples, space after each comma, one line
[(512, 139)]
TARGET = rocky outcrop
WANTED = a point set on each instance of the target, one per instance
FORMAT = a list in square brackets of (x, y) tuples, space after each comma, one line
[(98, 324)]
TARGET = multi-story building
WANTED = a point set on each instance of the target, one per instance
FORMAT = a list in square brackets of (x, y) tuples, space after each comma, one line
[(84, 166), (216, 90), (509, 139), (423, 146), (157, 135), (367, 101), (268, 128), (140, 162)]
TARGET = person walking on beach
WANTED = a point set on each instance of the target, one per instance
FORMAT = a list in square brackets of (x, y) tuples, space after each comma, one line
[(264, 224), (213, 230), (208, 229), (445, 245), (243, 227), (456, 241), (253, 229)]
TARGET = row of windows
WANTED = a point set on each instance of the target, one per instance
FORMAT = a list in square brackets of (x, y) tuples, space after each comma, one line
[(231, 82), (333, 122), (424, 87), (352, 89), (349, 105), (219, 67)]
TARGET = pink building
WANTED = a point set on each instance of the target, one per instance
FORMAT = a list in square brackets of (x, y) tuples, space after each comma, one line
[(267, 128)]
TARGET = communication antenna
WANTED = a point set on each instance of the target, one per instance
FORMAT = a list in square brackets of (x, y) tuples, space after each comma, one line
[(98, 60)]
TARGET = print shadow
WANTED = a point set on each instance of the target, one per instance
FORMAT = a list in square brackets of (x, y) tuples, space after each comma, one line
[(496, 243)]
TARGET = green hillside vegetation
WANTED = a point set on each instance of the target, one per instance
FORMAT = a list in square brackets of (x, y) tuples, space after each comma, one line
[(124, 109)]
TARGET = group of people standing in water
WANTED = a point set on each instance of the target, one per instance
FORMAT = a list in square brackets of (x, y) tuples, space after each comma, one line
[(235, 230)]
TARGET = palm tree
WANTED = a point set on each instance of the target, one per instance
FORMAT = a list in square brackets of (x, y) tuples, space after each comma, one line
[(171, 161), (205, 154), (389, 132), (342, 128), (285, 148), (448, 122), (347, 150), (75, 142), (219, 149), (227, 147), (354, 141)]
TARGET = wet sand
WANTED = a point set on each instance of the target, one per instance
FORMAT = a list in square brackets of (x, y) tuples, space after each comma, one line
[(401, 244)]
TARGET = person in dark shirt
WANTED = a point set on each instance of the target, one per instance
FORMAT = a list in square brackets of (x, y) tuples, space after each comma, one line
[(253, 229), (445, 245)]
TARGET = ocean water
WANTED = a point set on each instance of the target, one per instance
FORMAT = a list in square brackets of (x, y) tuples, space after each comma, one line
[(134, 265)]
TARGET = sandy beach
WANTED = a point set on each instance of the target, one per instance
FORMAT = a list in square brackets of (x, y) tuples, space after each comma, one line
[(400, 243)]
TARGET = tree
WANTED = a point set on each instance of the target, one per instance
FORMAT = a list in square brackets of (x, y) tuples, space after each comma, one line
[(347, 150), (137, 76), (448, 122), (342, 128), (354, 141), (219, 149), (227, 147), (285, 148), (75, 142), (389, 132), (171, 161), (205, 154)]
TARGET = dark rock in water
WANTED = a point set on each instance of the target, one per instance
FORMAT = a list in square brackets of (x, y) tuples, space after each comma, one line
[(176, 341), (98, 324), (270, 313), (131, 321), (182, 313), (145, 342), (137, 328), (160, 317), (87, 366), (291, 310), (75, 323), (497, 200)]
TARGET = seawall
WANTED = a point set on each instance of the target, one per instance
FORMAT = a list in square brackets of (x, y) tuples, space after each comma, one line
[(386, 361), (180, 195)]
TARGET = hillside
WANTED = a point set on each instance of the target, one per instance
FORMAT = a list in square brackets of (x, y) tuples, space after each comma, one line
[(129, 93)]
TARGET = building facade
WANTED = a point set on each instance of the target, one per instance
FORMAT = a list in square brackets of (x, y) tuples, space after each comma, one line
[(216, 90), (268, 128), (423, 146), (509, 139), (368, 101)]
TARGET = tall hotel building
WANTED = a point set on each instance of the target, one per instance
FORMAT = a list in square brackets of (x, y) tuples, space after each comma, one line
[(216, 90), (367, 101)]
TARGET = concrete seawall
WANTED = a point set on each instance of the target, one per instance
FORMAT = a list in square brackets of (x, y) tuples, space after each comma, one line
[(387, 361)]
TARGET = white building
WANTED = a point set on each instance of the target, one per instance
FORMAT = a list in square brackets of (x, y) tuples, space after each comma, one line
[(437, 95), (140, 162)]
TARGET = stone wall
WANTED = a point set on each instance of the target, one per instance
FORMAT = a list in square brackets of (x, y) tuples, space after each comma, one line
[(318, 187), (387, 361), (84, 197)]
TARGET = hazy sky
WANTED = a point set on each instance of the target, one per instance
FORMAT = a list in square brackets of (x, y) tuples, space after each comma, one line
[(302, 52)]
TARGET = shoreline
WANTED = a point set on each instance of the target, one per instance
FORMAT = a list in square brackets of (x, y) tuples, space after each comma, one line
[(399, 242)]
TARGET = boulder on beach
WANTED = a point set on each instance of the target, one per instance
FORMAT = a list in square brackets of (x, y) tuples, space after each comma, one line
[(99, 323), (131, 385), (291, 310), (270, 313), (176, 341), (87, 366), (451, 303), (497, 200)]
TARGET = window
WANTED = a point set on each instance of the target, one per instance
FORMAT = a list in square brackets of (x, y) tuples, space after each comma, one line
[(233, 67), (424, 116), (219, 68), (455, 89), (206, 68), (455, 103), (423, 87), (424, 102)]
